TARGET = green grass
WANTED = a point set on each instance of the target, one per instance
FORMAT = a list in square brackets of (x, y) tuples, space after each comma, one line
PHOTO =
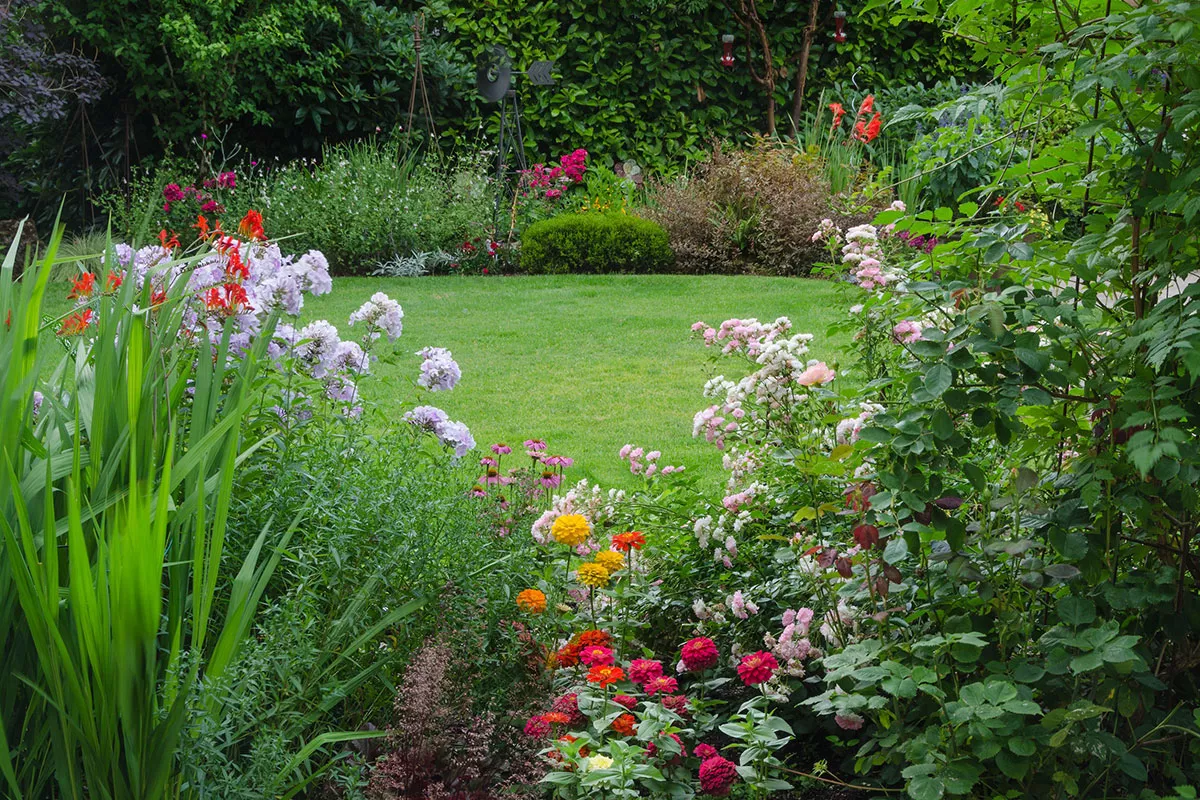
[(587, 363)]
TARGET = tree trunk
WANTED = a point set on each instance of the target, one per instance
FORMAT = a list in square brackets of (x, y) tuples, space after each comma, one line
[(802, 72)]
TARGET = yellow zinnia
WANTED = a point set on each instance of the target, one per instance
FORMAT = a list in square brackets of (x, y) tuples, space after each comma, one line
[(599, 762), (593, 575), (571, 529), (610, 560)]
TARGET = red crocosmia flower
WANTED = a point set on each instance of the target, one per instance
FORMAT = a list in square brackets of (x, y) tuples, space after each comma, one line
[(158, 297), (838, 113), (596, 656), (700, 654), (236, 298), (83, 286), (201, 226), (868, 106), (169, 242), (623, 725), (251, 226), (115, 281), (76, 324), (213, 300), (631, 540), (605, 676), (234, 267), (757, 668)]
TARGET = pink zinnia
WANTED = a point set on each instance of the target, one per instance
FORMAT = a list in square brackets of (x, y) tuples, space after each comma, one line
[(704, 751), (537, 727), (700, 654), (643, 670), (677, 703), (661, 685), (625, 700), (757, 668), (596, 656), (717, 776), (652, 749)]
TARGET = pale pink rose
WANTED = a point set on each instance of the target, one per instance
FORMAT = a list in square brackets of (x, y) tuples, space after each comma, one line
[(817, 374)]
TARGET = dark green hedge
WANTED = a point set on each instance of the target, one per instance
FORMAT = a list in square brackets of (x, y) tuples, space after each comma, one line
[(595, 243)]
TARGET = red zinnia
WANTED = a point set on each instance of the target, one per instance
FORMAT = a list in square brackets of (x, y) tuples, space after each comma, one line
[(704, 751), (569, 704), (677, 703), (642, 670), (556, 718), (661, 685), (623, 725), (631, 540), (652, 749), (596, 656), (757, 668), (605, 675), (700, 654), (568, 656), (717, 776), (537, 727), (592, 638)]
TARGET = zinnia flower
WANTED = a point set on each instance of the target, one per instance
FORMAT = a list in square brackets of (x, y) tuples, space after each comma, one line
[(537, 727), (652, 749), (531, 600), (631, 540), (757, 668), (717, 775), (699, 654), (677, 703), (704, 751), (626, 700), (593, 637), (610, 560), (642, 670), (623, 725), (605, 675), (569, 704), (596, 656), (572, 530), (556, 718), (661, 685), (599, 762), (593, 575)]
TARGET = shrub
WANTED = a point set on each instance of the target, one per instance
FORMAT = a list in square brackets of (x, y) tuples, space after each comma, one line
[(595, 243), (746, 211)]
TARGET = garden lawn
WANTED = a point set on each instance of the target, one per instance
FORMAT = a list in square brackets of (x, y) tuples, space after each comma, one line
[(587, 363)]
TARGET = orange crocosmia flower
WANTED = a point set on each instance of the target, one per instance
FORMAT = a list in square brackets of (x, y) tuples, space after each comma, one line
[(605, 676), (623, 725), (213, 300), (631, 540), (76, 324), (168, 242), (235, 267), (236, 297), (83, 286), (868, 106), (201, 226), (115, 281), (838, 113), (251, 226)]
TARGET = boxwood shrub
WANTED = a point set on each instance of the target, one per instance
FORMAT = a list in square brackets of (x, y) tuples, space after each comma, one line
[(595, 243)]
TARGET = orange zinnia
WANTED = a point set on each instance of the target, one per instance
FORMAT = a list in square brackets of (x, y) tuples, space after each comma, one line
[(592, 638), (605, 676), (532, 601), (623, 725), (631, 540)]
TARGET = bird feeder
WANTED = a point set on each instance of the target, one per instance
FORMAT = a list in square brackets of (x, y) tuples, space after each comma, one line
[(727, 54), (839, 22)]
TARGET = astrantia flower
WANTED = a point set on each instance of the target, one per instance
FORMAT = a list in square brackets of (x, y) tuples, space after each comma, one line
[(605, 676), (592, 575), (631, 540), (610, 560), (661, 685), (596, 656), (642, 670), (717, 775), (757, 668), (699, 654), (531, 600), (572, 530), (624, 724)]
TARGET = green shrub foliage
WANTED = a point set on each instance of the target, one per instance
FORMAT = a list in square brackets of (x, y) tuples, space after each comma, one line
[(595, 243)]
